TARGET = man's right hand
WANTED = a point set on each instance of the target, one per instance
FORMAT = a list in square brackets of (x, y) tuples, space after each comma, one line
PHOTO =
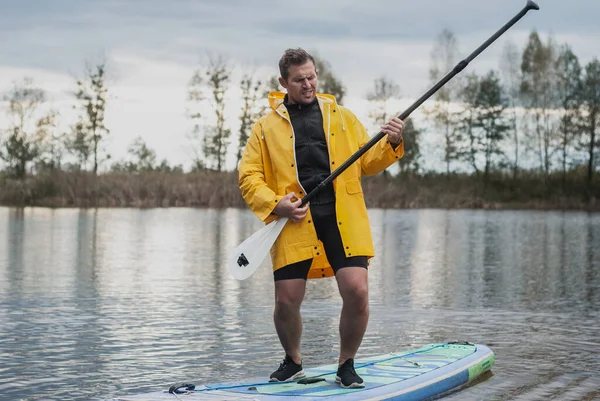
[(290, 206)]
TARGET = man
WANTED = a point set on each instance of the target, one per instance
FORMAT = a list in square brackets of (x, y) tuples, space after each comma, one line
[(290, 151)]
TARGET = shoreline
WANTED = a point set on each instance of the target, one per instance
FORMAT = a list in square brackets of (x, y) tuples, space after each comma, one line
[(219, 190)]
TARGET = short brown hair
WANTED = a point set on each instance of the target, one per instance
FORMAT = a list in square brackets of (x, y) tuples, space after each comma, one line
[(293, 57)]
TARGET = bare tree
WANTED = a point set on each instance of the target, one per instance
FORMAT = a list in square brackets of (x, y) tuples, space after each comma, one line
[(53, 146), (568, 93), (511, 74), (537, 92), (384, 90), (78, 144), (491, 104), (443, 58), (92, 95), (252, 91), (197, 136), (28, 126), (591, 107), (412, 150), (141, 158), (470, 146), (218, 79)]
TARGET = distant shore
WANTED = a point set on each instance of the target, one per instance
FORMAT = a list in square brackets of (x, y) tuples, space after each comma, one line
[(220, 190)]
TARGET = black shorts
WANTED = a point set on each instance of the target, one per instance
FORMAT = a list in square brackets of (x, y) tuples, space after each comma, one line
[(326, 226)]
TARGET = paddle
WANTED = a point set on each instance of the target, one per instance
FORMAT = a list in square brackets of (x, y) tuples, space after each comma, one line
[(245, 259)]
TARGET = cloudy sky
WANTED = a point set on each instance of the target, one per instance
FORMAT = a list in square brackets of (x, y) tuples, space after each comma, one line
[(153, 47)]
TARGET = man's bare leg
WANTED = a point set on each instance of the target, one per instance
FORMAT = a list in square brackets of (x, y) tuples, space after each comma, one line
[(354, 289), (289, 295)]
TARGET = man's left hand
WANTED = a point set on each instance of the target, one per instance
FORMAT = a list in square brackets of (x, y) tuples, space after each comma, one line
[(394, 129)]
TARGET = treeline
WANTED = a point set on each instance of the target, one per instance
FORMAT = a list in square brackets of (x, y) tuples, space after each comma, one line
[(540, 112), (535, 119)]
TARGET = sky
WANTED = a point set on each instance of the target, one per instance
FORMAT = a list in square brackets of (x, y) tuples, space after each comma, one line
[(153, 47)]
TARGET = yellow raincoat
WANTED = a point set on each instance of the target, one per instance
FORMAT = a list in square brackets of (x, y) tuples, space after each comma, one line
[(268, 171)]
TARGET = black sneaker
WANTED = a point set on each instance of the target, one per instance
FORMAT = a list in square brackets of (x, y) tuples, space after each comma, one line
[(347, 377), (288, 370)]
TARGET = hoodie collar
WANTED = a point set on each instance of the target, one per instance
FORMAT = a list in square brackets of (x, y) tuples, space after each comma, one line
[(298, 106), (277, 99)]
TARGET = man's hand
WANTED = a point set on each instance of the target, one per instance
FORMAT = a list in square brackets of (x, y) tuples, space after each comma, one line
[(394, 129), (290, 206)]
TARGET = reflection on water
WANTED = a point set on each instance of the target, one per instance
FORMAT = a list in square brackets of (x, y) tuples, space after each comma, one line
[(472, 259), (97, 303)]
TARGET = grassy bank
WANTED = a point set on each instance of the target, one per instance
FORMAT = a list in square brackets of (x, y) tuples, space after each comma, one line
[(468, 192), (151, 189), (216, 190)]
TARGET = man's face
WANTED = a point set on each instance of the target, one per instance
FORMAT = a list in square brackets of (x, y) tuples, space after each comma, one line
[(301, 84)]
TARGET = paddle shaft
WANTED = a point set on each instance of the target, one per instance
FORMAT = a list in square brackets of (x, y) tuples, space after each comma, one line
[(531, 5)]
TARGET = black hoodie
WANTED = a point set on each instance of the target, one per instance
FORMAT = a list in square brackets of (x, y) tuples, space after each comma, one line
[(312, 155)]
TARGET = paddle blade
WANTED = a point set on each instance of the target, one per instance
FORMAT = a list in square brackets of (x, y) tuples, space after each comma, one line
[(245, 259)]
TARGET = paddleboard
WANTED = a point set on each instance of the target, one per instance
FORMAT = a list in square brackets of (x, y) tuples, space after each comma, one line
[(415, 374)]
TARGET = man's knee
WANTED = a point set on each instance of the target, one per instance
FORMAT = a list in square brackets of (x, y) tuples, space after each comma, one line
[(287, 302), (289, 294), (359, 294), (356, 292)]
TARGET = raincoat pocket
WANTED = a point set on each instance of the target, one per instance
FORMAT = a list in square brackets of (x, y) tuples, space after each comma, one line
[(353, 186)]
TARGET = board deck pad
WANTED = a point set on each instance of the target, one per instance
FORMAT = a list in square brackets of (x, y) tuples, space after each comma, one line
[(409, 375)]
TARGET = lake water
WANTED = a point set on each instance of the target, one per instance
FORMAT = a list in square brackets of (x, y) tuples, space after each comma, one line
[(100, 303)]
